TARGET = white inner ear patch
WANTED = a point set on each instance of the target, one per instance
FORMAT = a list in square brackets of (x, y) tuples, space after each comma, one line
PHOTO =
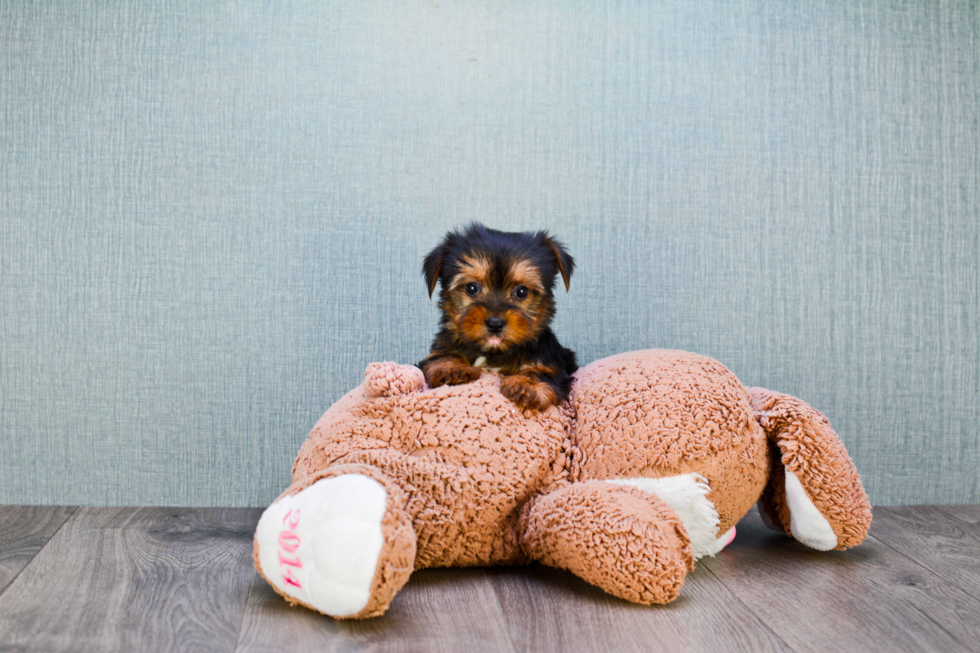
[(687, 496), (806, 523), (321, 545)]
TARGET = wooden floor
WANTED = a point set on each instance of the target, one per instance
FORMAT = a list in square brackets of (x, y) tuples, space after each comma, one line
[(147, 579)]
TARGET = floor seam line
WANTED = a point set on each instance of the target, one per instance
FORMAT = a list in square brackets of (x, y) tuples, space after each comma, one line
[(500, 611), (943, 510), (238, 634), (74, 509), (749, 608)]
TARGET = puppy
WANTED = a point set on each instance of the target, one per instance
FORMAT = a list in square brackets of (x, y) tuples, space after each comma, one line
[(497, 305)]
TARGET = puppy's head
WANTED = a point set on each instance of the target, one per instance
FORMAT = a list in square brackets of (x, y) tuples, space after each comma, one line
[(497, 285)]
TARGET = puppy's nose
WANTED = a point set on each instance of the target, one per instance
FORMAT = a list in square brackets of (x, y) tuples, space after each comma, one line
[(495, 324)]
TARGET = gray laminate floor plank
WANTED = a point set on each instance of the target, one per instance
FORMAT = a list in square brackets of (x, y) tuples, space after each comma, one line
[(24, 530), (438, 610), (936, 539), (552, 610), (870, 598), (182, 579), (968, 513), (124, 579)]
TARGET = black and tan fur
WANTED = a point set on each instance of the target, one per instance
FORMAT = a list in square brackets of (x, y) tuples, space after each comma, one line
[(497, 304)]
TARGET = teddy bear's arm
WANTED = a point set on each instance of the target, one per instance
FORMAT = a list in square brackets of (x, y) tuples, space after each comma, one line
[(625, 541)]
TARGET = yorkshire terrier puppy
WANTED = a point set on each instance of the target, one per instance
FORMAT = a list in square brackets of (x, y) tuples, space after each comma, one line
[(497, 305)]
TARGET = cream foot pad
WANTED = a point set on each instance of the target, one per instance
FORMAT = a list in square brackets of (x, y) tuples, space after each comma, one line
[(321, 545)]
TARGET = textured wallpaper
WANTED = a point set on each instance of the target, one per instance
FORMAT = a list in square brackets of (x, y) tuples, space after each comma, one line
[(213, 214)]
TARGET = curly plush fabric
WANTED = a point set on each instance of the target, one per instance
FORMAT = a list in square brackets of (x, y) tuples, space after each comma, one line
[(382, 379), (466, 457), (810, 449), (659, 413), (601, 485), (621, 539)]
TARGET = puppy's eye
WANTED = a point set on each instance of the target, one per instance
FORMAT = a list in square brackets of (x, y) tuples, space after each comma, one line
[(472, 289), (520, 292)]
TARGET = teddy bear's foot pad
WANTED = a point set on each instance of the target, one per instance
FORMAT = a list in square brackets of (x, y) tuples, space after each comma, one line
[(807, 523), (321, 545)]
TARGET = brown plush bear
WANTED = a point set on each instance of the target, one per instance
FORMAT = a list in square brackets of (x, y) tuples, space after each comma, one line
[(648, 466)]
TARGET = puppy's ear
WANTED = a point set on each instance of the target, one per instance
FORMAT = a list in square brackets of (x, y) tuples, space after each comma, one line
[(432, 265), (564, 260)]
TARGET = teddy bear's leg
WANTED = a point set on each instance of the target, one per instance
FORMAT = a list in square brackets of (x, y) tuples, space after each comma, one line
[(625, 541), (815, 495), (339, 542)]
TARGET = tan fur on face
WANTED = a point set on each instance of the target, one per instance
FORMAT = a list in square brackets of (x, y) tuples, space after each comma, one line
[(534, 315), (519, 328), (471, 323), (526, 274), (471, 268)]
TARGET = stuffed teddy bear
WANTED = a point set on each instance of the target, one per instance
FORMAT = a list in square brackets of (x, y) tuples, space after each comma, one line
[(647, 467)]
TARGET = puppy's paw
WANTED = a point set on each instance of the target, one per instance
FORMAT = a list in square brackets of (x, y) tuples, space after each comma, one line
[(450, 372), (528, 393)]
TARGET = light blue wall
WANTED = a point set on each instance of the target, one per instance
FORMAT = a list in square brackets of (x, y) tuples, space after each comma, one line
[(212, 216)]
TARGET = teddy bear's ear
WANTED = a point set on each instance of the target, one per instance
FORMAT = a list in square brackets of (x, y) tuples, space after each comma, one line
[(390, 379)]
